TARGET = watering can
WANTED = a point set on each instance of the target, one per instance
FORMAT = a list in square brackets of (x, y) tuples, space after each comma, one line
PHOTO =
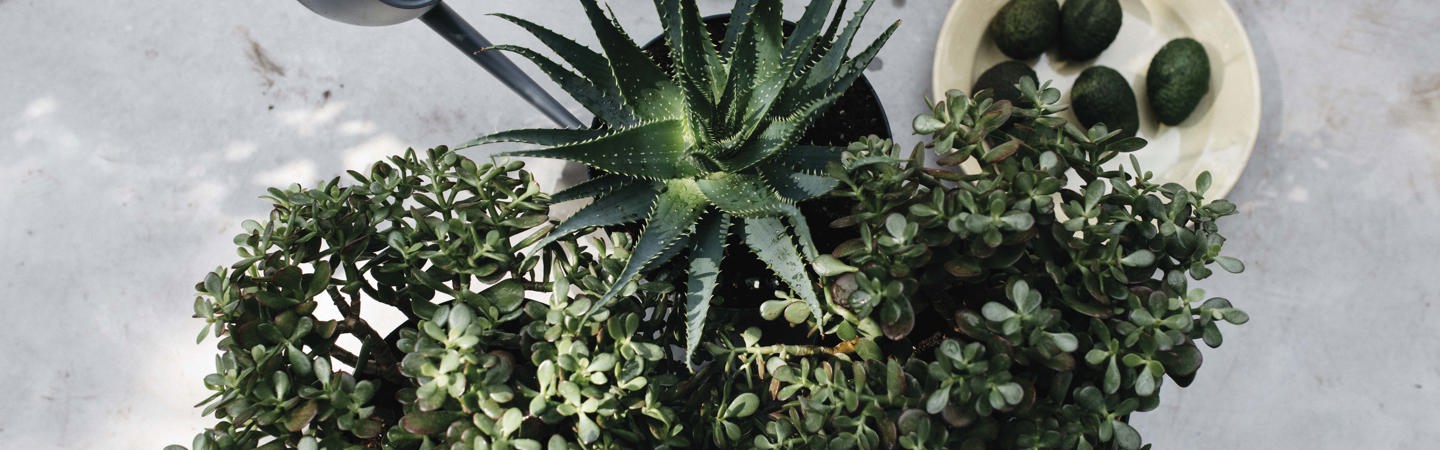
[(454, 29)]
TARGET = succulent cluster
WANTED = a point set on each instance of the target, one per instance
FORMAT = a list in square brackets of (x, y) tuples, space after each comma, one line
[(708, 146), (1036, 302), (413, 230), (1054, 288)]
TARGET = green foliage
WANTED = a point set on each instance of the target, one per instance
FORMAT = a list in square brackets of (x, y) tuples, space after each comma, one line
[(971, 311), (1037, 302), (408, 233), (1060, 283), (497, 351), (711, 138)]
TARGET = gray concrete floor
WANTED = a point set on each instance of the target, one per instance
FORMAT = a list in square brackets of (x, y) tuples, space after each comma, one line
[(137, 135)]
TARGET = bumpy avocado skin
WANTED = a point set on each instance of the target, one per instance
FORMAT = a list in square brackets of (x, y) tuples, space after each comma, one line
[(1024, 29), (1002, 78), (1087, 27), (1178, 78), (1101, 95)]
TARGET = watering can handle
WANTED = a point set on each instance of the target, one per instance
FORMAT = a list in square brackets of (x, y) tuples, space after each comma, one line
[(449, 25)]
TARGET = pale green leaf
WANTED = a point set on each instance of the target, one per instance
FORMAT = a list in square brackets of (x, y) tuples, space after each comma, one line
[(742, 406), (1230, 264), (1139, 258)]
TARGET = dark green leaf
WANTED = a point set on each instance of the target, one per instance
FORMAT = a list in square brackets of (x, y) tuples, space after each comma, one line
[(623, 206), (300, 417), (593, 187), (771, 242), (1002, 151), (897, 318), (276, 301), (677, 209), (652, 150), (1126, 436), (705, 256), (590, 64), (647, 90), (542, 136), (868, 350)]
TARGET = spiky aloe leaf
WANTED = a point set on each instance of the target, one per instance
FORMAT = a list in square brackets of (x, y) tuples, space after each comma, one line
[(675, 211), (622, 206), (830, 31), (770, 87), (739, 16), (770, 241), (807, 30), (719, 133), (796, 186), (854, 67), (655, 150), (591, 64), (694, 56), (766, 29), (593, 187), (540, 136), (779, 135), (706, 251), (595, 87), (820, 77), (808, 158), (744, 195), (609, 108), (648, 91), (739, 83), (694, 62), (751, 196)]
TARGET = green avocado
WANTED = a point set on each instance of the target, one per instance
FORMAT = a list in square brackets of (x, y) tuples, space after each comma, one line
[(1087, 27), (1024, 29), (1101, 95), (1179, 77), (1002, 78)]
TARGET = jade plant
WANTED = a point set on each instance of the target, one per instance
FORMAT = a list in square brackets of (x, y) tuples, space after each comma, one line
[(708, 146), (1036, 301)]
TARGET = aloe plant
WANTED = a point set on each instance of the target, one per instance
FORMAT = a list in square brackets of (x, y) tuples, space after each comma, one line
[(708, 147)]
